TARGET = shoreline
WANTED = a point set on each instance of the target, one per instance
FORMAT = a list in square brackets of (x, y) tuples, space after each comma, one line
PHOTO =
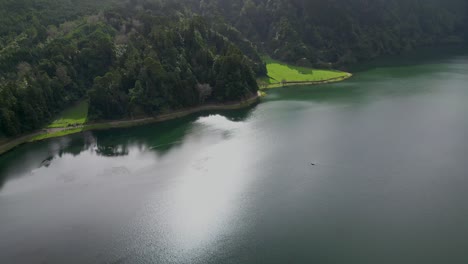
[(298, 83), (44, 134), (47, 133), (173, 115)]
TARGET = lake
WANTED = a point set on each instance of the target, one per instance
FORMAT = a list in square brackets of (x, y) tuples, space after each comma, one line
[(389, 184)]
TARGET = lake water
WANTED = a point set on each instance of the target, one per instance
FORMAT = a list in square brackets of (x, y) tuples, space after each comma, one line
[(390, 184)]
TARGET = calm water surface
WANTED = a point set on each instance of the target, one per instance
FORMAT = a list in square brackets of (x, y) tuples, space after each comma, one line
[(390, 183)]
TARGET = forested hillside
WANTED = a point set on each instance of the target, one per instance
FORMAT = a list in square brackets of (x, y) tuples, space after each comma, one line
[(342, 31), (134, 58), (130, 60)]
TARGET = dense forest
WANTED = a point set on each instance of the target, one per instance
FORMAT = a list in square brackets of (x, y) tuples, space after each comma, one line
[(134, 58), (340, 32)]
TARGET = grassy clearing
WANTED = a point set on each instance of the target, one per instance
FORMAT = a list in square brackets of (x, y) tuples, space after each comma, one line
[(74, 116), (60, 131), (8, 144), (281, 74)]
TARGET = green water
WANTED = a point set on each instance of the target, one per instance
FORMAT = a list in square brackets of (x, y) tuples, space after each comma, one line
[(389, 185)]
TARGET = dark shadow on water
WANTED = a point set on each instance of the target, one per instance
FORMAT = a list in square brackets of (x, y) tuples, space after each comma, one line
[(427, 55), (405, 75), (328, 93), (159, 138)]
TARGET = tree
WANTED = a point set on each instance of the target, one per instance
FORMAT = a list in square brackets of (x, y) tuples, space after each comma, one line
[(106, 99), (204, 92)]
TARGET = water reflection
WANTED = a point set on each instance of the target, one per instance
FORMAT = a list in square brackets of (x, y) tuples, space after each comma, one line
[(429, 55), (158, 139), (390, 174), (112, 151), (385, 81)]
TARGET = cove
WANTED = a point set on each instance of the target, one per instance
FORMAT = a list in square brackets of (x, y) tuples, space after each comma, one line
[(388, 186)]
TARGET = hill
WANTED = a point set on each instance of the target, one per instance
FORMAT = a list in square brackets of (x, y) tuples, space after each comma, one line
[(136, 58)]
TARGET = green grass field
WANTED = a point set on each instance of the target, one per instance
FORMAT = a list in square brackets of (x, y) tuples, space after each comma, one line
[(56, 134), (74, 116), (279, 72)]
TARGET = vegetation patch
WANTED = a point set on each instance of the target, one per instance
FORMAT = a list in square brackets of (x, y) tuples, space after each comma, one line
[(73, 116), (64, 131), (281, 74), (59, 133)]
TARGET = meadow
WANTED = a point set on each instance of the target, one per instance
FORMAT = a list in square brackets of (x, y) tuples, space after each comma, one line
[(55, 134), (282, 74), (76, 115)]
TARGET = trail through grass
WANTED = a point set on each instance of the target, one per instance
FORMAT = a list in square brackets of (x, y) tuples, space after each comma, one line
[(74, 116)]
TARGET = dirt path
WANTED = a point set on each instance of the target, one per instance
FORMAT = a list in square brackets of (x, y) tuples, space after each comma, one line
[(10, 144)]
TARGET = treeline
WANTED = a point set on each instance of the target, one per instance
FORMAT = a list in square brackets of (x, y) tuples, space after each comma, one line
[(334, 33), (135, 58), (162, 66)]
